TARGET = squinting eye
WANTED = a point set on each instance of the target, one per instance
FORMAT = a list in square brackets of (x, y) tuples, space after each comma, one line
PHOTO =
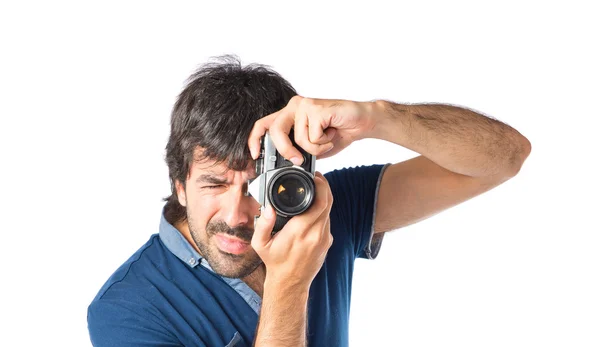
[(213, 187)]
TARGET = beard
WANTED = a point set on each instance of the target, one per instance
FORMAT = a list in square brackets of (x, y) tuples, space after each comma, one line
[(224, 264)]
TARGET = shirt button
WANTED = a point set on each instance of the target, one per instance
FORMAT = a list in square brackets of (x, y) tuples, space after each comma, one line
[(192, 261)]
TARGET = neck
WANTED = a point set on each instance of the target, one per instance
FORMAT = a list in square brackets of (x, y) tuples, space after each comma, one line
[(256, 279)]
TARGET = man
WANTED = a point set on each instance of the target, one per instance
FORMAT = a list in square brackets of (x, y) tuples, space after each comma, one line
[(210, 277)]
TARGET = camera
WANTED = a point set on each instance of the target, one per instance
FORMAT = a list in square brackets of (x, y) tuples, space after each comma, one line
[(289, 188)]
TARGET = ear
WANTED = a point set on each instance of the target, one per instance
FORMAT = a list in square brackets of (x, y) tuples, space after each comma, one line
[(181, 193)]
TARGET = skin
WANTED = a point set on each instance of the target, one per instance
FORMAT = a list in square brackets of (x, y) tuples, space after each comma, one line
[(221, 207), (462, 154), (276, 268)]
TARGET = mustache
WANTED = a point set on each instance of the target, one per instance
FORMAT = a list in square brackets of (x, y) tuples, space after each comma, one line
[(243, 233)]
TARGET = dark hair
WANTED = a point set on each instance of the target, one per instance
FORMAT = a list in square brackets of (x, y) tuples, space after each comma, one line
[(216, 111)]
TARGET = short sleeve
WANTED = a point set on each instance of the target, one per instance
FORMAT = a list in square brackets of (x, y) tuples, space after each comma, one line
[(355, 192), (121, 323)]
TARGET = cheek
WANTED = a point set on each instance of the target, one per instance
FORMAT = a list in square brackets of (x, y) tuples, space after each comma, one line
[(254, 206), (203, 208)]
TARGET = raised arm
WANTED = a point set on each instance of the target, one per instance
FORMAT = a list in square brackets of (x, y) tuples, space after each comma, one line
[(463, 152), (292, 258)]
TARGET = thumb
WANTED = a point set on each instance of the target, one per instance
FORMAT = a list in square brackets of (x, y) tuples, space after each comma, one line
[(263, 228)]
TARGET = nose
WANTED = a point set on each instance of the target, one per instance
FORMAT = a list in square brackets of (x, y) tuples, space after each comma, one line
[(236, 210)]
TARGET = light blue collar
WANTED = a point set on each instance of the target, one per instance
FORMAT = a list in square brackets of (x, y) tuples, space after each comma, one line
[(181, 248)]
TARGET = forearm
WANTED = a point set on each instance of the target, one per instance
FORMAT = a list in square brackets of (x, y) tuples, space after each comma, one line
[(455, 138), (282, 320)]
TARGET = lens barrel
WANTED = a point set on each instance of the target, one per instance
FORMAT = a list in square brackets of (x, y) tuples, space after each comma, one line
[(291, 191)]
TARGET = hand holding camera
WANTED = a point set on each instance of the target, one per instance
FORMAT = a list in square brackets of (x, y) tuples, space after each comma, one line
[(294, 199), (288, 188), (323, 127), (294, 255), (285, 145)]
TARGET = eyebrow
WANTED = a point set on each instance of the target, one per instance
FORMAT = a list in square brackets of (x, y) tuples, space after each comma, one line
[(210, 179)]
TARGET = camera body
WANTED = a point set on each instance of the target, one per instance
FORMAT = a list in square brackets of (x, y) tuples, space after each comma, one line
[(289, 188)]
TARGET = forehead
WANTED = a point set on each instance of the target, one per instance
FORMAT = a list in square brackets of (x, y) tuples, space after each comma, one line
[(203, 167)]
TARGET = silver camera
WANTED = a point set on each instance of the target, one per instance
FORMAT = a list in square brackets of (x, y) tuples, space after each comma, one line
[(289, 188)]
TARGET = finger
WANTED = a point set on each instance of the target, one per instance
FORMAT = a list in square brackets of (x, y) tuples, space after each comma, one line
[(258, 130), (329, 203), (326, 190), (322, 193), (323, 218), (327, 230), (328, 153), (330, 132), (338, 144), (280, 135), (317, 123), (301, 135), (263, 228)]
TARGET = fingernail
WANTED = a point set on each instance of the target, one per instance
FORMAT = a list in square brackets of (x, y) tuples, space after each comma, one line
[(328, 149), (296, 160)]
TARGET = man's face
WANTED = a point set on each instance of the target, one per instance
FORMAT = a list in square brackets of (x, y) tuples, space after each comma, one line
[(221, 218)]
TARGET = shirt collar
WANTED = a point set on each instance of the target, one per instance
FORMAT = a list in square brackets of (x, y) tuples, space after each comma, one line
[(176, 243)]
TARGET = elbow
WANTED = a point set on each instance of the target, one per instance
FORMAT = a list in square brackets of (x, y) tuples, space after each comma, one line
[(519, 155)]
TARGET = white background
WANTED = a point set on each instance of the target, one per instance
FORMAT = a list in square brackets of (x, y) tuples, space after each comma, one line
[(86, 91)]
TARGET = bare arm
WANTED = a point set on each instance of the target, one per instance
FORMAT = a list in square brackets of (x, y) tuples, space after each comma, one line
[(463, 155), (456, 138), (282, 320)]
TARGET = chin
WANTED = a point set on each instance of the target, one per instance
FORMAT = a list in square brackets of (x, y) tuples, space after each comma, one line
[(233, 265)]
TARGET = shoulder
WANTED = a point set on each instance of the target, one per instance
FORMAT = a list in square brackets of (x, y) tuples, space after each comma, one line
[(128, 300), (144, 260)]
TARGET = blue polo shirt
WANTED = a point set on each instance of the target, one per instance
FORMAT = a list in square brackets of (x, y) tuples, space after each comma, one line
[(167, 295)]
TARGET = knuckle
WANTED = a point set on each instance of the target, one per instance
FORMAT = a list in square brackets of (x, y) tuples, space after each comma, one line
[(315, 118), (276, 125), (257, 125), (313, 239), (287, 152), (321, 204), (302, 141), (321, 149), (295, 99), (309, 102), (311, 148)]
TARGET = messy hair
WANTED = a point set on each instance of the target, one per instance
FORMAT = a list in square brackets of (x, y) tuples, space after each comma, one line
[(213, 116)]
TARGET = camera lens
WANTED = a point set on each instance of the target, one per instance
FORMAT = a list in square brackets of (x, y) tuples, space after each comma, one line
[(291, 192)]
